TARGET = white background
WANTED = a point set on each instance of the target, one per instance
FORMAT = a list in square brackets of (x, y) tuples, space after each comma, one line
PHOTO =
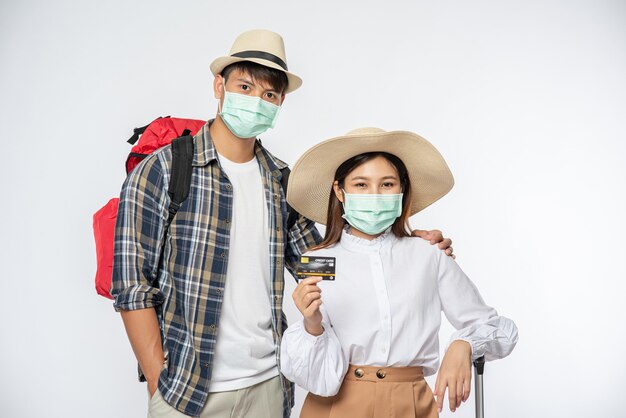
[(526, 100)]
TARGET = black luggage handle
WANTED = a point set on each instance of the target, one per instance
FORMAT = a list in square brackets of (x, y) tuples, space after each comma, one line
[(479, 364), (479, 369)]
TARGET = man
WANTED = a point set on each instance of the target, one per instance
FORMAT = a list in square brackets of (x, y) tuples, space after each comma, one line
[(202, 304)]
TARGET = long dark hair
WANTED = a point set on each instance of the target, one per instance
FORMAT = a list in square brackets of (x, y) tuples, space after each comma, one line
[(334, 220)]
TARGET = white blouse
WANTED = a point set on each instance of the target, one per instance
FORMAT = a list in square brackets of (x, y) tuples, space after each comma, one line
[(384, 309)]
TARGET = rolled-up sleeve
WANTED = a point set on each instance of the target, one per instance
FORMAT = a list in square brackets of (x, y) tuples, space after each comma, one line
[(315, 363), (142, 214), (489, 334), (302, 236)]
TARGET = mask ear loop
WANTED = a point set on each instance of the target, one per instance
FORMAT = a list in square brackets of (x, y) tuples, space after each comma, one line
[(344, 201), (346, 225), (219, 102)]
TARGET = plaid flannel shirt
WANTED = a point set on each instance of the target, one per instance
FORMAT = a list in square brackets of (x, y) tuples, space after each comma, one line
[(187, 288)]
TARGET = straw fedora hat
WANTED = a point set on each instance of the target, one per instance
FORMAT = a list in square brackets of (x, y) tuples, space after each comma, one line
[(312, 175), (260, 46)]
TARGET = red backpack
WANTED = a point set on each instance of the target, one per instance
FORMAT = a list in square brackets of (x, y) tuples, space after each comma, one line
[(157, 134)]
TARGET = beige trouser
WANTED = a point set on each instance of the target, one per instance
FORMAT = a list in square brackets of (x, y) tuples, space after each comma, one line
[(263, 400), (376, 392)]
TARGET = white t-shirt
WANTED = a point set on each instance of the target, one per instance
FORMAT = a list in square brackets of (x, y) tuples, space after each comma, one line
[(244, 352)]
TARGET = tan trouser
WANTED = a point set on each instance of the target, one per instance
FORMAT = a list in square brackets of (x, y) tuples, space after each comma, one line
[(263, 400), (377, 392)]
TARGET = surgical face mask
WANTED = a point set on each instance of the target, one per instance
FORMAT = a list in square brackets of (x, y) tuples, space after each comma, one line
[(371, 213), (247, 116)]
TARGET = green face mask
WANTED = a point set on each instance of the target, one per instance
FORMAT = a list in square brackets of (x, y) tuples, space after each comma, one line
[(371, 213), (247, 116)]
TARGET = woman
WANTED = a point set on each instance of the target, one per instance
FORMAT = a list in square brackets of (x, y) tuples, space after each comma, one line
[(368, 337)]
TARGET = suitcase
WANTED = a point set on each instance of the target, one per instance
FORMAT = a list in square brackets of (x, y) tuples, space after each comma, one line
[(479, 368)]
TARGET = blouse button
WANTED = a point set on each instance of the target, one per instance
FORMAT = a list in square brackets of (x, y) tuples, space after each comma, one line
[(358, 372), (381, 374)]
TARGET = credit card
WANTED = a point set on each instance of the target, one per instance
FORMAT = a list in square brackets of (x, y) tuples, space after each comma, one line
[(316, 266)]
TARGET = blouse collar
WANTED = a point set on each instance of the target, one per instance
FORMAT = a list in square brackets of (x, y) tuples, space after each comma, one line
[(354, 243)]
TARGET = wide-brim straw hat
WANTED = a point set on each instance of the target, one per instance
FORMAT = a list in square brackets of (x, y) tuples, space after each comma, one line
[(260, 46), (312, 176)]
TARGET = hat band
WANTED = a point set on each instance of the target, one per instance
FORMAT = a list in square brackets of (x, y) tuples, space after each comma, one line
[(263, 55)]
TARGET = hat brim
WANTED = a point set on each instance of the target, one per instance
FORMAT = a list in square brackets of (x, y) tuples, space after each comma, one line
[(294, 82), (311, 178)]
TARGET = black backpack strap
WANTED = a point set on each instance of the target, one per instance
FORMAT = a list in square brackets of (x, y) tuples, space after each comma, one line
[(292, 214), (138, 131), (180, 178)]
